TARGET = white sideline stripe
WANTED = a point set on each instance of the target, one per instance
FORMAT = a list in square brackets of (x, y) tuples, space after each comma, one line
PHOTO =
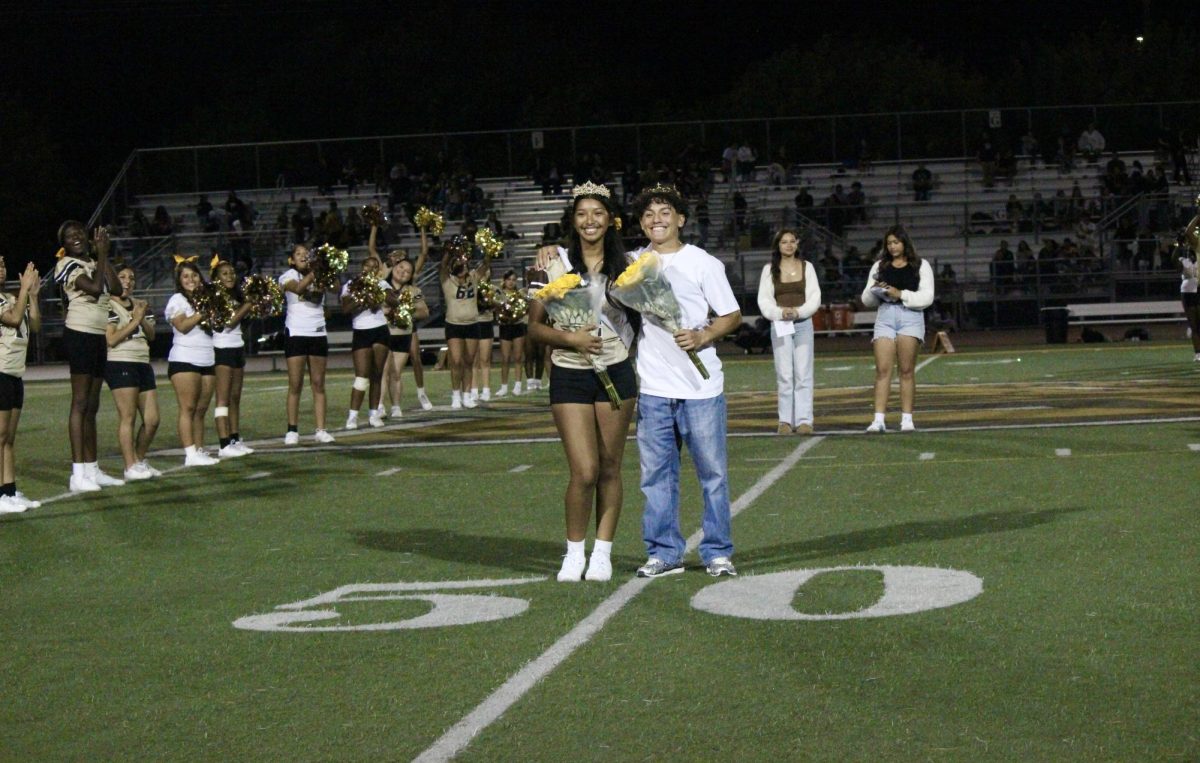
[(520, 468), (923, 363), (387, 472), (1194, 446), (258, 475), (456, 739), (1064, 452), (926, 457)]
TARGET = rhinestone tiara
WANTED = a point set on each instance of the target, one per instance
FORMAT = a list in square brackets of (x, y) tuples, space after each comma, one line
[(660, 188), (590, 189)]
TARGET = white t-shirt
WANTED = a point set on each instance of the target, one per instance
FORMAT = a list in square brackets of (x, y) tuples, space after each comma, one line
[(229, 338), (700, 286), (196, 346), (304, 316), (367, 319)]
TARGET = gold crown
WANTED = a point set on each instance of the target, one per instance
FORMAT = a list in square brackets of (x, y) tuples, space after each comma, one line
[(661, 188), (590, 189)]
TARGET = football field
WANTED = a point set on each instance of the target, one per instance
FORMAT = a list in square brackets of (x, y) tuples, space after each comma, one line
[(1015, 581)]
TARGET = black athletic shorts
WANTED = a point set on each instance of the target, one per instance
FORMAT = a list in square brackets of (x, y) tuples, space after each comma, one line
[(400, 342), (234, 357), (573, 385), (295, 346), (1190, 298), (483, 330), (176, 367), (511, 331), (86, 353), (122, 373), (460, 331), (364, 339), (12, 392)]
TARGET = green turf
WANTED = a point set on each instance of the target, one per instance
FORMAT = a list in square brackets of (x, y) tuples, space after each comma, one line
[(119, 608)]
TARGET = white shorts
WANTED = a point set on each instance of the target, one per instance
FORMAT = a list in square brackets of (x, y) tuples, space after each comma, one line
[(892, 319)]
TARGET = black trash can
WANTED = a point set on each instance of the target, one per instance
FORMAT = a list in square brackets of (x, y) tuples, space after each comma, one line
[(1055, 320)]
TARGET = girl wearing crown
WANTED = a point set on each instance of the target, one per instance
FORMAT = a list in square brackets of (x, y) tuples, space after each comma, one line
[(592, 432), (86, 278), (229, 354), (190, 362), (306, 343), (18, 316), (130, 376)]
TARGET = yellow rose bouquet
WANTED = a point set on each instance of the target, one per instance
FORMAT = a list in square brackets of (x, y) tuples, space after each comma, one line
[(573, 304), (644, 288)]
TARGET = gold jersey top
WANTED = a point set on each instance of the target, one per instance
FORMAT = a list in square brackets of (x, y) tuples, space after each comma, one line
[(85, 313), (135, 348), (14, 341), (459, 299)]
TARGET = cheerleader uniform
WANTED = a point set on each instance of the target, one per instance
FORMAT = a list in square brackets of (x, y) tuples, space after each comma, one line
[(128, 363), (14, 344), (191, 351), (304, 321), (87, 316), (462, 311), (370, 325)]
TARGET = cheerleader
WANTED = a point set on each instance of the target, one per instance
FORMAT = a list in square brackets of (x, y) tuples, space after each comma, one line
[(18, 316), (369, 348), (402, 338), (190, 362), (592, 433), (1187, 250), (229, 354), (459, 285), (512, 339), (788, 295), (900, 286), (130, 376), (391, 373), (306, 343), (85, 282), (485, 335)]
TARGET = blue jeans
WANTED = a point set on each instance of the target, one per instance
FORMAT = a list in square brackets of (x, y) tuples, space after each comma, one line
[(664, 424)]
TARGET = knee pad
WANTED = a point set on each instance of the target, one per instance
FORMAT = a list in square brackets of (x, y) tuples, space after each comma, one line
[(361, 383), (220, 412)]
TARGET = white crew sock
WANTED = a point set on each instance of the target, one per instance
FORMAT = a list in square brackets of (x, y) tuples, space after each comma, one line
[(189, 450), (905, 418), (602, 547), (78, 470), (575, 548), (352, 415), (878, 417)]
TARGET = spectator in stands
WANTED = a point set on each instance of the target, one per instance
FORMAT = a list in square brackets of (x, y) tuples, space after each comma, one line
[(1014, 212), (776, 173), (161, 225), (1025, 267), (1179, 159), (350, 175), (1003, 267), (354, 227), (856, 204), (834, 208), (204, 210), (922, 183), (138, 226), (987, 161), (1064, 154), (865, 157), (745, 162), (379, 177), (552, 183), (235, 209), (740, 209), (1147, 249), (728, 162), (302, 222), (473, 200), (332, 229), (1062, 209), (1029, 146), (1091, 144), (510, 233), (1006, 164), (804, 202)]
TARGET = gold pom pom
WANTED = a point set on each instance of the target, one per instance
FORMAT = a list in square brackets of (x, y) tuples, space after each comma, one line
[(366, 291), (374, 215), (264, 296), (328, 264), (427, 218), (486, 240)]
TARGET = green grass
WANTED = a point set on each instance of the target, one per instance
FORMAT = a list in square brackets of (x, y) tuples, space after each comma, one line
[(119, 608)]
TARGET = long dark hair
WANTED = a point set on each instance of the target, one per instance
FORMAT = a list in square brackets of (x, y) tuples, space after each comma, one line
[(615, 260), (777, 256), (910, 252)]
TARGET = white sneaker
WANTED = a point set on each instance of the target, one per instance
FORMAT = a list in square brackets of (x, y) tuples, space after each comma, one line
[(21, 499), (375, 420), (137, 472), (352, 422), (517, 389), (243, 447), (455, 400), (486, 395), (199, 458), (572, 568), (397, 413), (599, 568), (9, 506), (423, 399), (503, 391), (906, 425), (230, 451), (83, 484), (103, 480), (291, 438), (322, 436), (153, 472), (877, 427), (1198, 357), (469, 401)]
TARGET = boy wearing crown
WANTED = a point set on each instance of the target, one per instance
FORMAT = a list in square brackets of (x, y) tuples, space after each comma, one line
[(676, 404)]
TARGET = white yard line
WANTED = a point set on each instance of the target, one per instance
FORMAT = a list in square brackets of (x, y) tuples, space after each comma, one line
[(520, 468), (258, 475), (926, 456), (511, 691), (1062, 452), (388, 472)]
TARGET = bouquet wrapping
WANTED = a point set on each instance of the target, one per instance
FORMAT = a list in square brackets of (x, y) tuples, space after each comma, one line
[(644, 288), (573, 304)]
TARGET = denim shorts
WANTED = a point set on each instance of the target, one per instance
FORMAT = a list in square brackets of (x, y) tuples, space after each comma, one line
[(892, 319)]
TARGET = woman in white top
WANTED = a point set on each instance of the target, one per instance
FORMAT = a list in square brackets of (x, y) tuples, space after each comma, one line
[(369, 345), (229, 351), (1188, 251), (306, 343), (190, 363), (788, 295), (593, 433), (400, 354), (900, 287), (130, 376), (19, 315)]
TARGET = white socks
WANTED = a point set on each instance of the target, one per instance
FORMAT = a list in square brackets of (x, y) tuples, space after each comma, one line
[(879, 417), (905, 419)]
